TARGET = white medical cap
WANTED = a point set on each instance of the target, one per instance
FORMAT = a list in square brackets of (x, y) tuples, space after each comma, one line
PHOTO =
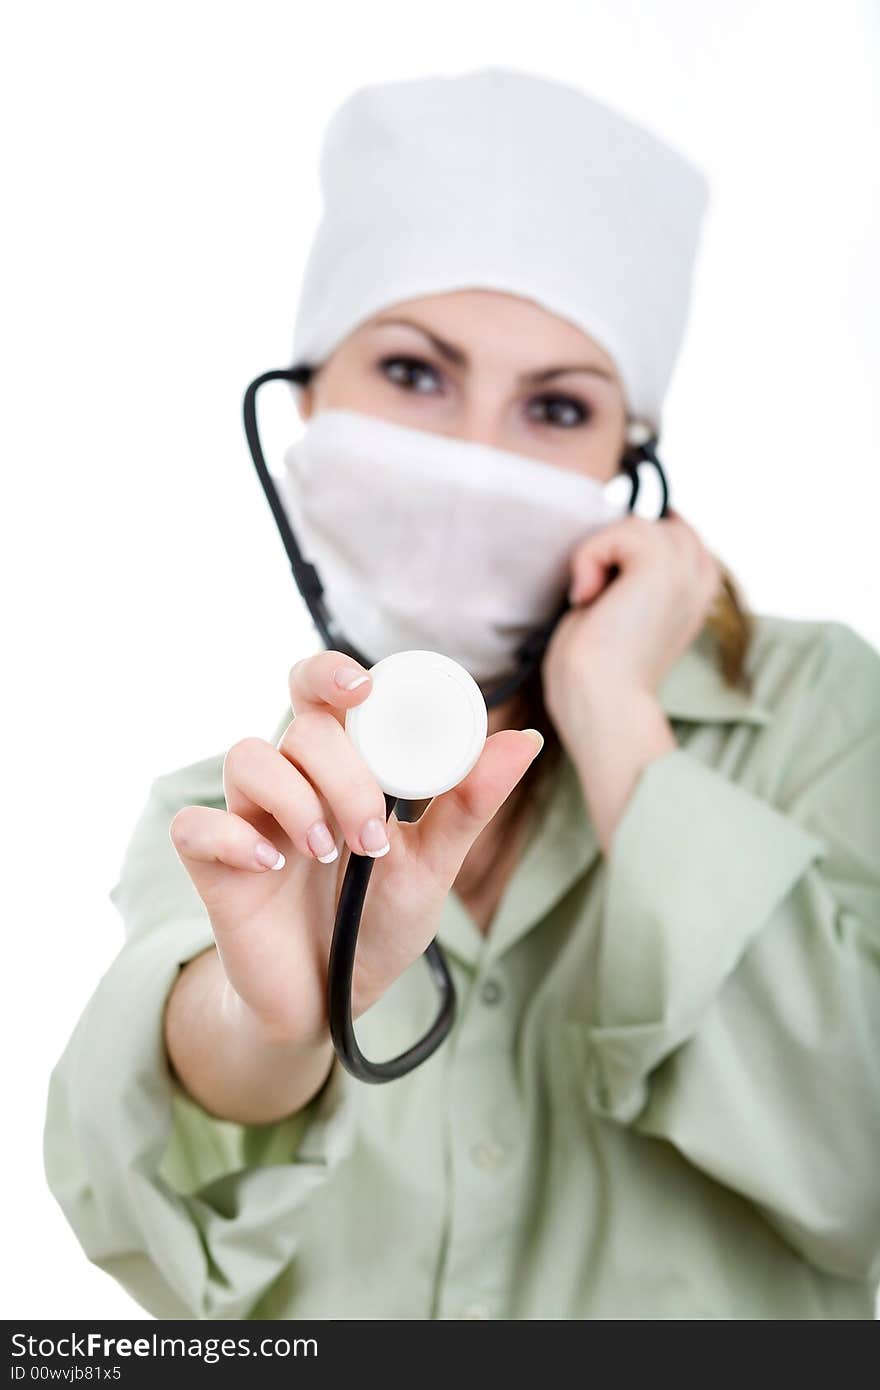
[(499, 179)]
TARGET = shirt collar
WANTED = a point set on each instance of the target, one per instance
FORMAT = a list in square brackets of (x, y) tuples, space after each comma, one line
[(694, 689)]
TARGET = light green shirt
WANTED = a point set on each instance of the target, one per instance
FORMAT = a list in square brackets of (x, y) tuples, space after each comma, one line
[(661, 1095)]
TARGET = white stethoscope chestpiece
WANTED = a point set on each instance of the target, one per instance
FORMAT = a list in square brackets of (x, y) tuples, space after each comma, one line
[(423, 725)]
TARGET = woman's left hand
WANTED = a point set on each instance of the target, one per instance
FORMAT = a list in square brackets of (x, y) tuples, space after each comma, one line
[(607, 656), (626, 636)]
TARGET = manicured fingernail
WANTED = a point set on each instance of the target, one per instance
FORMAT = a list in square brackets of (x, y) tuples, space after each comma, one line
[(321, 842), (535, 736), (269, 856), (374, 838), (349, 677)]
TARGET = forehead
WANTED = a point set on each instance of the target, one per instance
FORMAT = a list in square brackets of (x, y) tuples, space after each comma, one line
[(489, 319)]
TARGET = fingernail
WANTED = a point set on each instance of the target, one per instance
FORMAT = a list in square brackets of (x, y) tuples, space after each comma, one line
[(537, 737), (374, 838), (321, 842), (349, 677), (269, 856)]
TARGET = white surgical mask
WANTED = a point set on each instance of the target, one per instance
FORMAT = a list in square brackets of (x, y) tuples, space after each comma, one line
[(422, 540)]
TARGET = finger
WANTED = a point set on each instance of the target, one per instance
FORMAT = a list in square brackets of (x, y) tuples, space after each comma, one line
[(689, 549), (328, 680), (681, 531), (616, 544), (205, 837), (321, 749), (258, 779), (444, 833)]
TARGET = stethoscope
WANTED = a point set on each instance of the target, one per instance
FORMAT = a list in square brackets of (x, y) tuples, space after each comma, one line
[(340, 968)]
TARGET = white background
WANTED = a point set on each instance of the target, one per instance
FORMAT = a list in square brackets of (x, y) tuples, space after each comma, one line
[(160, 186)]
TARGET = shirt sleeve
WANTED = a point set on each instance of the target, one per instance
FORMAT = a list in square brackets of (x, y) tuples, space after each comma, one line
[(193, 1215), (738, 1011)]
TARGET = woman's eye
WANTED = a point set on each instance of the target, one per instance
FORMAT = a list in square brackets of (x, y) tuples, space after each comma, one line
[(411, 373), (558, 410), (414, 374)]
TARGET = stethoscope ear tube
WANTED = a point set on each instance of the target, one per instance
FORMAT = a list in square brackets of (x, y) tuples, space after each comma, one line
[(645, 452), (343, 946), (305, 575)]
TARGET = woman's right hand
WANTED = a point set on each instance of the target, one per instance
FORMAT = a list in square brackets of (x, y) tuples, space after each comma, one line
[(273, 927)]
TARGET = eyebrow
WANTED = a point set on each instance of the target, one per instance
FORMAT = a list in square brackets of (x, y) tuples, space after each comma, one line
[(460, 358)]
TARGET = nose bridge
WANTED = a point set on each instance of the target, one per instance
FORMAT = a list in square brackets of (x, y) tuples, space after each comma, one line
[(482, 419)]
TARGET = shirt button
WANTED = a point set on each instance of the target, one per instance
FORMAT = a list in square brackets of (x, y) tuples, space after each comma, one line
[(490, 992), (487, 1155), (475, 1311)]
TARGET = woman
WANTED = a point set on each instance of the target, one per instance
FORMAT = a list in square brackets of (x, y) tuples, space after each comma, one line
[(661, 1097)]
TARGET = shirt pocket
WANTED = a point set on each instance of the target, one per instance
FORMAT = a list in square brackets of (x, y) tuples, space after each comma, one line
[(603, 1065)]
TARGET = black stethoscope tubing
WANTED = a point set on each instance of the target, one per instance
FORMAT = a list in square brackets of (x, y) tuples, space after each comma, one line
[(343, 947)]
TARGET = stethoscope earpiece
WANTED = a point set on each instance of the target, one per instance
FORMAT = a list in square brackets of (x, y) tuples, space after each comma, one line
[(638, 432)]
